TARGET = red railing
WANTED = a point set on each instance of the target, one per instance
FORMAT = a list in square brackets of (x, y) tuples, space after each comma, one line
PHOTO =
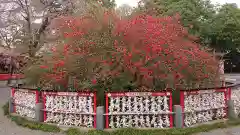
[(139, 94), (217, 101), (198, 96), (14, 90), (79, 94), (9, 76), (234, 95)]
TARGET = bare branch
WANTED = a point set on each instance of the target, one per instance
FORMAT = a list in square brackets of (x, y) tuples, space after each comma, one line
[(30, 33), (19, 2), (5, 40)]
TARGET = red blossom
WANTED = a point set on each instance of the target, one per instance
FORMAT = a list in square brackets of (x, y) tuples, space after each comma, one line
[(152, 47), (43, 67), (94, 81)]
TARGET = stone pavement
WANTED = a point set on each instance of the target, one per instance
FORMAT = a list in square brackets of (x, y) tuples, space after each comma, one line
[(234, 78), (10, 128), (228, 131)]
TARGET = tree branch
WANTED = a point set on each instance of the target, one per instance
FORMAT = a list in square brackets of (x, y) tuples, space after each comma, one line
[(40, 32), (5, 39)]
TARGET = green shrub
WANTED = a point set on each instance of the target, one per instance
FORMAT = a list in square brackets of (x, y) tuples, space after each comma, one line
[(34, 125), (73, 131), (172, 131), (6, 109), (97, 132)]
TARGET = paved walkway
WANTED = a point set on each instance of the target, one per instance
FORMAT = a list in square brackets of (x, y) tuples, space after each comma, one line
[(234, 78), (10, 128), (228, 131)]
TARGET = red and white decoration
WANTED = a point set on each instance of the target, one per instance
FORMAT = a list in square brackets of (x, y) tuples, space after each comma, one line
[(139, 110), (70, 108), (235, 97), (203, 106), (24, 102)]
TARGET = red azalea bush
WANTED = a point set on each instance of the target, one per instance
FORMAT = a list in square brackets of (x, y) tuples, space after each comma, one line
[(143, 51)]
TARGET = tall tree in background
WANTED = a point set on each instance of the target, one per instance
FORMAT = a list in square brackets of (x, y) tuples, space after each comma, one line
[(215, 27), (10, 33), (124, 10), (110, 4), (33, 19), (193, 12), (224, 34)]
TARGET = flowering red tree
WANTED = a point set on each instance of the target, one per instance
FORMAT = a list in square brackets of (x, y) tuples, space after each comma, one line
[(143, 51)]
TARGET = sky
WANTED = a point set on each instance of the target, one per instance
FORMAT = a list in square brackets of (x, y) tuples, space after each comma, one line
[(129, 2), (134, 2)]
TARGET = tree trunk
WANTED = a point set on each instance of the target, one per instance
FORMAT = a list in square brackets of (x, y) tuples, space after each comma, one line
[(10, 71)]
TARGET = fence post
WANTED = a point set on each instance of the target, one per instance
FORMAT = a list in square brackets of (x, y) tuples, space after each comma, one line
[(178, 117), (11, 105), (231, 111), (39, 112), (100, 118)]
